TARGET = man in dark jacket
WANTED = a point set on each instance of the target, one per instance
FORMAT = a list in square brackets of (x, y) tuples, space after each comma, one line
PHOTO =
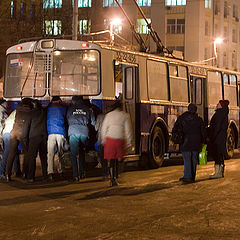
[(218, 137), (79, 116), (56, 127), (22, 110), (193, 136), (35, 139)]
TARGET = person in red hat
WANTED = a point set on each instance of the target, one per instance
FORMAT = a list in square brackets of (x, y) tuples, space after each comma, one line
[(218, 137)]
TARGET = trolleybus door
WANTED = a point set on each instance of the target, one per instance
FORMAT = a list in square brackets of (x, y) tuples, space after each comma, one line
[(198, 94), (129, 97)]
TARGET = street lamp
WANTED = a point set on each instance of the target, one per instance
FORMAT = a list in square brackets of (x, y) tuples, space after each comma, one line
[(113, 22), (216, 41)]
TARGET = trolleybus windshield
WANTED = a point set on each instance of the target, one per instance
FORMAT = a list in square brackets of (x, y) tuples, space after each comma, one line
[(64, 73)]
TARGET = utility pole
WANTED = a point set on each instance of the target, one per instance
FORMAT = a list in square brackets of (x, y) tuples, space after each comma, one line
[(75, 20)]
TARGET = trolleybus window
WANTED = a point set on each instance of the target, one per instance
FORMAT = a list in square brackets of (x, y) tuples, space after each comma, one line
[(157, 80), (198, 91), (178, 83), (20, 76), (230, 88), (214, 87), (129, 83), (76, 72)]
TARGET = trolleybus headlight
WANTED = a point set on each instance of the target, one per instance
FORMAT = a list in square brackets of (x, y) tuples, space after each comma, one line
[(57, 53), (83, 45)]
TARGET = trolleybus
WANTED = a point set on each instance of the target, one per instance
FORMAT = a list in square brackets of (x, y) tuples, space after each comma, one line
[(154, 89)]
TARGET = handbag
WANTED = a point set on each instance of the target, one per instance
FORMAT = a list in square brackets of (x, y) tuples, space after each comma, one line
[(203, 155), (177, 133)]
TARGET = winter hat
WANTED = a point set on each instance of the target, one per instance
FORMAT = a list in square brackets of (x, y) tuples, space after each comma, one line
[(77, 98), (116, 104), (27, 101), (56, 98), (192, 108), (224, 103)]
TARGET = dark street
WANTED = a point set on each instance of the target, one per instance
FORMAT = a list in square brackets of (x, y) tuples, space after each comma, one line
[(149, 204)]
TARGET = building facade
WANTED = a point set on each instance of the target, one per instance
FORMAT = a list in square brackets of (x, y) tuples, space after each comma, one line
[(189, 26)]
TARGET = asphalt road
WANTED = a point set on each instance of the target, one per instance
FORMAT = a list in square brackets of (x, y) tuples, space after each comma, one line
[(149, 204)]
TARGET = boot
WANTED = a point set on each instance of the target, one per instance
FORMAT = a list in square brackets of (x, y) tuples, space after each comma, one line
[(113, 181), (222, 166), (113, 173), (218, 172)]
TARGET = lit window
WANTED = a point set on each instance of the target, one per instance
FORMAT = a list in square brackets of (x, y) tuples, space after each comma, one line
[(13, 9), (225, 14), (175, 2), (176, 26), (111, 3), (83, 3), (53, 27), (52, 3), (208, 3), (142, 26), (116, 28), (144, 3), (234, 35), (32, 12), (22, 10), (84, 26)]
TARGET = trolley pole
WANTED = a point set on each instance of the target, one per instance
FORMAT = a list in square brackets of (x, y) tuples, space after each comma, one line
[(75, 20)]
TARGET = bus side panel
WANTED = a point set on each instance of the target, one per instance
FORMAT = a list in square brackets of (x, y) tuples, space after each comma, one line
[(150, 113)]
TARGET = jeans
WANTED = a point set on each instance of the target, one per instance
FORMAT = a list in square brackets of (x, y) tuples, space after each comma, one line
[(16, 163), (190, 164), (77, 145), (55, 140)]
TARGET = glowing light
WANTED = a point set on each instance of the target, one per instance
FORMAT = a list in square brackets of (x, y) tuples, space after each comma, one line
[(57, 53), (84, 45), (19, 48), (218, 41), (116, 21)]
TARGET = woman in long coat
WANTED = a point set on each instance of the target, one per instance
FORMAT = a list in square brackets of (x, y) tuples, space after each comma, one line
[(218, 137), (115, 131)]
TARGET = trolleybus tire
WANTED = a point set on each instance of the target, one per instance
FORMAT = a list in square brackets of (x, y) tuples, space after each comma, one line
[(157, 148), (230, 144)]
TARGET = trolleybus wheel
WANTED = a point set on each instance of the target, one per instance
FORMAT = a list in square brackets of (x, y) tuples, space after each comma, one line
[(230, 144), (157, 148)]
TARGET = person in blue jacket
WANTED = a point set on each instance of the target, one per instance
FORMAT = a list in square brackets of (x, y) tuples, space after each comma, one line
[(56, 127), (79, 116)]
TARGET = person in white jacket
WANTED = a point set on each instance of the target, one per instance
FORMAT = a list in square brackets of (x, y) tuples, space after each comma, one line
[(6, 147), (116, 136)]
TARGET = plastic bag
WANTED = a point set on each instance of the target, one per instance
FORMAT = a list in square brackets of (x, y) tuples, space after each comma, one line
[(203, 155)]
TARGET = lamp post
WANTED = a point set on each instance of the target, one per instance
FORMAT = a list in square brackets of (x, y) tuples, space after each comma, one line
[(75, 20), (217, 41), (113, 22)]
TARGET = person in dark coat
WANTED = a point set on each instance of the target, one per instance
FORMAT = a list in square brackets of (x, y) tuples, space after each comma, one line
[(35, 139), (22, 110), (218, 137), (193, 137), (79, 116)]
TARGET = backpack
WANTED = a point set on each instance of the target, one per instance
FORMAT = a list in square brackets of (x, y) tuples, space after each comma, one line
[(177, 132)]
